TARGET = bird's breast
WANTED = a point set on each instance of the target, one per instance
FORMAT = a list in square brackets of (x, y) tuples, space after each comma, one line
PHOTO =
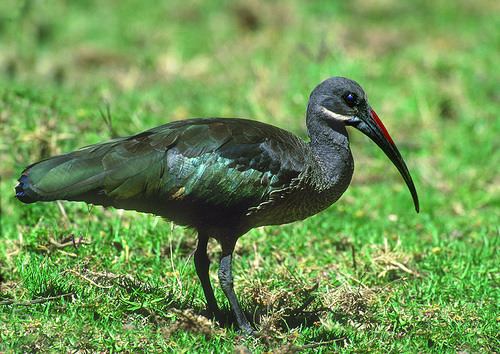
[(307, 195)]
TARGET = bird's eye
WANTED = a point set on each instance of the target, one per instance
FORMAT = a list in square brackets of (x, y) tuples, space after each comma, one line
[(350, 98)]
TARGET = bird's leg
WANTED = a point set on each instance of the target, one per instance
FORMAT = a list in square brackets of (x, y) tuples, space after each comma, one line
[(202, 265), (226, 282)]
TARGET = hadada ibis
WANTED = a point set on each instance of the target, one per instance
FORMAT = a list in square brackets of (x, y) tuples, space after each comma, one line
[(221, 176)]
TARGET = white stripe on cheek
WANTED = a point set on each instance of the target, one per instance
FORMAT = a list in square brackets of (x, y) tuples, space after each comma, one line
[(335, 115)]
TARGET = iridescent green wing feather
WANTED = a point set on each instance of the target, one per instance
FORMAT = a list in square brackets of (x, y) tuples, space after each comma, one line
[(224, 162)]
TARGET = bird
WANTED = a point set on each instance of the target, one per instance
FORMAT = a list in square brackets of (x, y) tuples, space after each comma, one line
[(222, 176)]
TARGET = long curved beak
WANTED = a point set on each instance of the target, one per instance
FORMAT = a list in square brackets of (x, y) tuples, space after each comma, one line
[(371, 125)]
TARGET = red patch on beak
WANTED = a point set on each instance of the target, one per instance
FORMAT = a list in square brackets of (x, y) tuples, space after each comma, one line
[(381, 126)]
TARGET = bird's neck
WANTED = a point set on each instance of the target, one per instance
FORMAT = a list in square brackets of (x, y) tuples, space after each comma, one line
[(330, 147)]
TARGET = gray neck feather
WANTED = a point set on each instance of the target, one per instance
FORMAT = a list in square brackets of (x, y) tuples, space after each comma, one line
[(330, 147)]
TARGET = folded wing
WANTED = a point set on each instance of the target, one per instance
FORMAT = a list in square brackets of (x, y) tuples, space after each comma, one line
[(213, 163)]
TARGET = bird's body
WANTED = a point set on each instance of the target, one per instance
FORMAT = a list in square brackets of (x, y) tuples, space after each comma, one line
[(212, 174), (221, 176)]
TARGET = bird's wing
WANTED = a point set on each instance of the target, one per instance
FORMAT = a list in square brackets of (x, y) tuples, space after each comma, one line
[(229, 162)]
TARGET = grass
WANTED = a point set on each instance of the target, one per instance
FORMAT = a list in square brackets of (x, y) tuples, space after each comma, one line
[(368, 274)]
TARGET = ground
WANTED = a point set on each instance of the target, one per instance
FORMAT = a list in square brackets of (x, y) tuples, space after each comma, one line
[(368, 274)]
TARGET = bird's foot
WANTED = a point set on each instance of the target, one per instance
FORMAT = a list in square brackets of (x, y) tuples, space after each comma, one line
[(227, 320), (215, 315), (247, 330)]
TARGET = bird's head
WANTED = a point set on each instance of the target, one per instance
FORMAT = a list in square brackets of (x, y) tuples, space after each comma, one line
[(339, 100)]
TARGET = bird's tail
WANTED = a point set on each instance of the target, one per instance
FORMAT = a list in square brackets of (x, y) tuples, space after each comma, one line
[(78, 175), (24, 192)]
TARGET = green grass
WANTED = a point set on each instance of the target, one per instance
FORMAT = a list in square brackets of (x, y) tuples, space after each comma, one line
[(368, 274)]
